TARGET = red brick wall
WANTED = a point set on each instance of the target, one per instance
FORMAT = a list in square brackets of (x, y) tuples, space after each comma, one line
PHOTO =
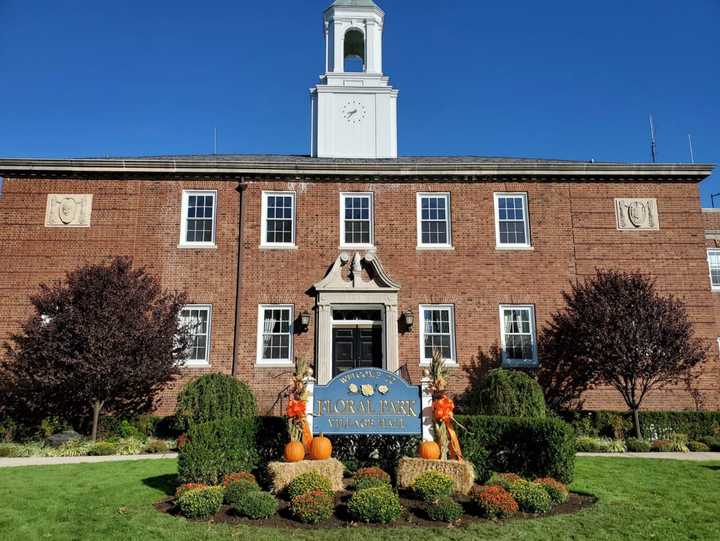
[(572, 228)]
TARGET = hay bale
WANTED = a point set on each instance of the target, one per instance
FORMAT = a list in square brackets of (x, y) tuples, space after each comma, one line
[(282, 473), (462, 473)]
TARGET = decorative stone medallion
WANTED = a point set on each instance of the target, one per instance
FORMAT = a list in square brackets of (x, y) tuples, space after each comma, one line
[(68, 210), (636, 214)]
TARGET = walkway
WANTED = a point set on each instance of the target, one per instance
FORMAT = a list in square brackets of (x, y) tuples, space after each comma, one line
[(51, 461), (698, 457)]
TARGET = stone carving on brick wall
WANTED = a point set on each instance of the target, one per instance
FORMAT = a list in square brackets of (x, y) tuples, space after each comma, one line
[(370, 263), (68, 210), (636, 214)]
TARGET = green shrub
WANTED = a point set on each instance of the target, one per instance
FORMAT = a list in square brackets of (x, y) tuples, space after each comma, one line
[(156, 447), (179, 491), (431, 485), (636, 445), (444, 509), (531, 497), (239, 476), (102, 448), (478, 456), (130, 446), (382, 450), (557, 491), (616, 446), (12, 450), (712, 442), (506, 480), (213, 397), (369, 482), (698, 447), (217, 448), (510, 393), (235, 490), (312, 507), (654, 424), (255, 504), (376, 505), (676, 443), (200, 502), (493, 501), (590, 444), (530, 447), (76, 447), (308, 482)]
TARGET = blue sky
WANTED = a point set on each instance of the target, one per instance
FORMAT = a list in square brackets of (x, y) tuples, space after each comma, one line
[(559, 79)]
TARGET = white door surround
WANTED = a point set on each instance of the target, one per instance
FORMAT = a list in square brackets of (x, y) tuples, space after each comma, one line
[(334, 291)]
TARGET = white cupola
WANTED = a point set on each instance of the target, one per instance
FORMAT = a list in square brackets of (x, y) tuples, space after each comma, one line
[(354, 108)]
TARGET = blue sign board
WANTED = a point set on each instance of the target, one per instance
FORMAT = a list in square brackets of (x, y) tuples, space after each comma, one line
[(367, 401)]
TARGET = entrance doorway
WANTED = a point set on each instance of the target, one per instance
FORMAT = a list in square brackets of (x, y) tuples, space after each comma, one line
[(357, 340)]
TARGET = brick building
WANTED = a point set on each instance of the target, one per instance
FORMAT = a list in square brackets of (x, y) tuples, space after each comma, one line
[(353, 256)]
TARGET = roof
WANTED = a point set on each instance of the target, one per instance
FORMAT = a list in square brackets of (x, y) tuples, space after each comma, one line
[(354, 3), (460, 167)]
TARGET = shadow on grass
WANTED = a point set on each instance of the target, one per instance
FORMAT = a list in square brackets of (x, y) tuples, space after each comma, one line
[(166, 483), (714, 468)]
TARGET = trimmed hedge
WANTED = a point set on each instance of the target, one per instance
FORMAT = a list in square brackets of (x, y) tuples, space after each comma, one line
[(217, 448), (531, 447), (654, 424), (511, 393), (214, 396)]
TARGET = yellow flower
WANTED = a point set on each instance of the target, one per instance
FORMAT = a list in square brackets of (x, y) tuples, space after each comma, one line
[(383, 389), (367, 390), (353, 388)]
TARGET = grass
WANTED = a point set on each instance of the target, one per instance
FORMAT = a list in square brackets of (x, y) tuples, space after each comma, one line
[(638, 499)]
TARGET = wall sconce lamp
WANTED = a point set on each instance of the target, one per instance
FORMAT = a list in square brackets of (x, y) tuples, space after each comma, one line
[(304, 321), (408, 319)]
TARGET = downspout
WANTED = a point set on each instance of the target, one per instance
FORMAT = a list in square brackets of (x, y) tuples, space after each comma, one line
[(238, 274)]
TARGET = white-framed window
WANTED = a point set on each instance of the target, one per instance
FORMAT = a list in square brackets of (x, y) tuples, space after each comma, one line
[(713, 256), (278, 219), (433, 220), (356, 219), (517, 335), (275, 334), (198, 317), (437, 331), (197, 225), (512, 224)]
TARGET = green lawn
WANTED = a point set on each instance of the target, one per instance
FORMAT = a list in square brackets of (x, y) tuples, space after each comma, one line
[(639, 499)]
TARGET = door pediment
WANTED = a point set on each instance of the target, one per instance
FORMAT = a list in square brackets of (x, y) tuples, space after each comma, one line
[(365, 273)]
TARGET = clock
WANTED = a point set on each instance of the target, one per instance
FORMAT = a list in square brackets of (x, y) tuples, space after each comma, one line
[(353, 112)]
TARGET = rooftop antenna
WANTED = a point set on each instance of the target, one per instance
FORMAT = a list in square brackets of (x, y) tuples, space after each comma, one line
[(692, 154), (653, 145), (215, 140)]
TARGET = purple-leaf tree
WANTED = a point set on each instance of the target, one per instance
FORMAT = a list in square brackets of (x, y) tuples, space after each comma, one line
[(108, 339), (617, 330)]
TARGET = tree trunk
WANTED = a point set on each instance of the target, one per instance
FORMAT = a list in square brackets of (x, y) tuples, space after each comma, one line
[(636, 420), (97, 406)]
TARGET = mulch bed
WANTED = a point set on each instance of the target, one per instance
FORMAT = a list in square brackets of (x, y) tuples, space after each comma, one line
[(414, 514)]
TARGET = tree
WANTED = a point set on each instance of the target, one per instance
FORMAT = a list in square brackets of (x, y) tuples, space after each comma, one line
[(108, 339), (617, 330)]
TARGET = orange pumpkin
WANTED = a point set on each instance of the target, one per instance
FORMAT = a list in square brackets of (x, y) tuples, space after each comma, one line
[(429, 450), (294, 451), (320, 448)]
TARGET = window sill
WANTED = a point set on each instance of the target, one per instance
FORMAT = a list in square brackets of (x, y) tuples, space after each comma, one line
[(715, 289), (209, 246), (448, 364), (280, 364), (510, 363), (510, 247), (278, 247), (438, 248), (196, 365), (356, 247)]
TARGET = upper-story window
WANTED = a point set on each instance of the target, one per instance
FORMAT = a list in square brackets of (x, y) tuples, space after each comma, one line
[(278, 219), (433, 220), (714, 264), (197, 228), (517, 335), (512, 227), (198, 318), (275, 331), (437, 332), (356, 220)]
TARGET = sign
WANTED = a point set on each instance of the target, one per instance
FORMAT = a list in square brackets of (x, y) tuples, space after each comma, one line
[(367, 401)]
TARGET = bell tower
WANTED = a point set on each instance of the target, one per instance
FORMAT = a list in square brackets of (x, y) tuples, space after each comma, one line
[(354, 108)]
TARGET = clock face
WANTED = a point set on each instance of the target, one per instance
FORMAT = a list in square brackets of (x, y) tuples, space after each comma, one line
[(353, 112)]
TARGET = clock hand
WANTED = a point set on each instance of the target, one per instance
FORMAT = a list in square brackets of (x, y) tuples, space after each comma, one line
[(351, 113)]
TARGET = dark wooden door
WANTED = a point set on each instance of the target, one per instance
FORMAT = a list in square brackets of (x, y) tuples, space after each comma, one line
[(356, 347)]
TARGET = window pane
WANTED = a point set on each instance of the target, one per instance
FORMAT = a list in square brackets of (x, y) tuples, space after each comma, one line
[(434, 222), (357, 222), (196, 319), (199, 219), (512, 222), (437, 332), (279, 221), (518, 335)]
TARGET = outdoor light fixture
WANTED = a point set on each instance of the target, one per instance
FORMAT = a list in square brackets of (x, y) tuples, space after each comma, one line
[(304, 320), (409, 318)]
